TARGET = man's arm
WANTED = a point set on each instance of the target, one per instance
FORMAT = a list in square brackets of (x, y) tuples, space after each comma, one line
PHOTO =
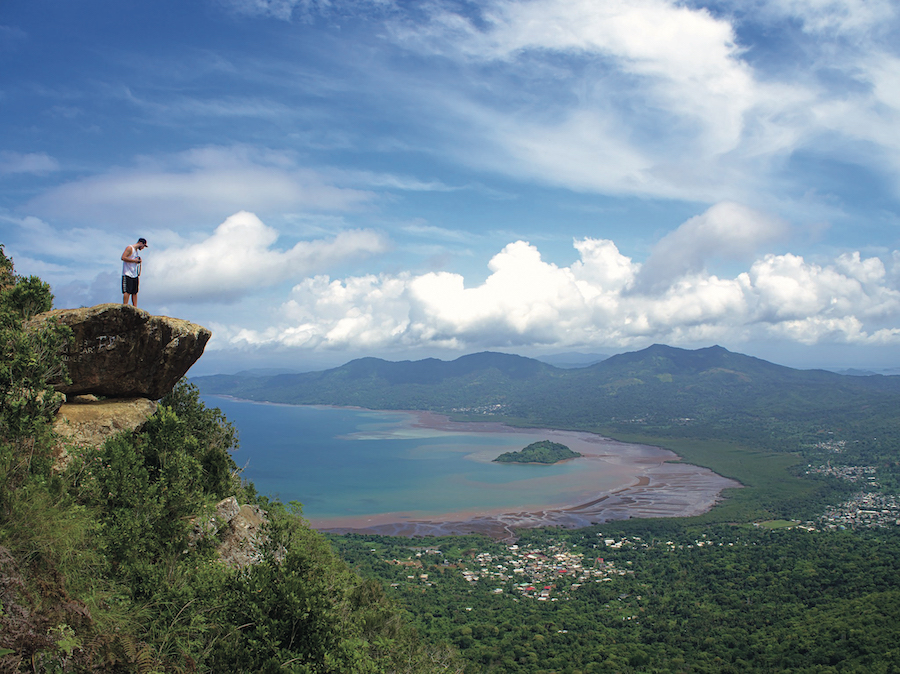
[(127, 255)]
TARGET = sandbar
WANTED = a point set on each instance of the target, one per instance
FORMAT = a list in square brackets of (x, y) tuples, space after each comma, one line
[(664, 486)]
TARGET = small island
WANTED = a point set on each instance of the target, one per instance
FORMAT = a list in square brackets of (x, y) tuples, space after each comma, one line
[(543, 451)]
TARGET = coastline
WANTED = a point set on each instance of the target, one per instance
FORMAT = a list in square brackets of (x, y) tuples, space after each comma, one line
[(665, 487), (659, 484)]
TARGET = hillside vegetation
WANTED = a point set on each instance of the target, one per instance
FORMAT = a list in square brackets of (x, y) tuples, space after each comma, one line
[(99, 571), (543, 451), (645, 596)]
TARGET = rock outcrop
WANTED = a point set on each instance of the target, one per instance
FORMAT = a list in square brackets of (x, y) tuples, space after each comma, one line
[(87, 423), (242, 542), (240, 529), (120, 351)]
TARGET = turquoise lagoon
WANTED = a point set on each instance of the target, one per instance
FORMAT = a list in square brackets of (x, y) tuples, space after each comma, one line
[(352, 464)]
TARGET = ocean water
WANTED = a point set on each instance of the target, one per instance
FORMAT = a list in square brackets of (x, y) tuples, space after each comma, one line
[(351, 463)]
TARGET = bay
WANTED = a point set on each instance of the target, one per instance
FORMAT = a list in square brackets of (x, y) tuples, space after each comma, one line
[(348, 464)]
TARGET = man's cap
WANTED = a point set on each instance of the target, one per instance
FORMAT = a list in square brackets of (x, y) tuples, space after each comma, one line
[(143, 241)]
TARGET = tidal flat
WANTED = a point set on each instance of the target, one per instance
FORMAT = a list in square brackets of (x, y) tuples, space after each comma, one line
[(417, 473)]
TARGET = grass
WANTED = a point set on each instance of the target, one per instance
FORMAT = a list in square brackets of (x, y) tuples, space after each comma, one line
[(778, 524)]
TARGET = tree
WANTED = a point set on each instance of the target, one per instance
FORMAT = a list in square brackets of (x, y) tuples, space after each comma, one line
[(29, 359)]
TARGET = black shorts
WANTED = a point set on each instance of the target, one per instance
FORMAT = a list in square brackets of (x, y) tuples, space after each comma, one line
[(129, 285)]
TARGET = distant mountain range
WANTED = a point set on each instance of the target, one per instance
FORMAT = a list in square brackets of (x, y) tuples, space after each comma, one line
[(572, 359), (865, 373), (660, 389)]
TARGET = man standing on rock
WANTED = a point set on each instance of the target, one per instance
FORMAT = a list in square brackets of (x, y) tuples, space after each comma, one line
[(131, 270)]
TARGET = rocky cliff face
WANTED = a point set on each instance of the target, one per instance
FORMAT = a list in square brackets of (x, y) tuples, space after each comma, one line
[(120, 351), (86, 421), (240, 530), (132, 359)]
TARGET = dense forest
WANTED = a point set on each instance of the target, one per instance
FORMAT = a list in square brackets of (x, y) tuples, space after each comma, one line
[(652, 596)]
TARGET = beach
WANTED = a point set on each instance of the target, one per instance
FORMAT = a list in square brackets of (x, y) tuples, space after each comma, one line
[(662, 486)]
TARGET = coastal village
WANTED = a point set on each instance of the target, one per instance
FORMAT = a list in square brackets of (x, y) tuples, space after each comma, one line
[(543, 574), (539, 574), (552, 572), (865, 509), (849, 473)]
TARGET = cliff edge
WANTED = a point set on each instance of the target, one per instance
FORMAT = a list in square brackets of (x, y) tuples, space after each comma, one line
[(120, 351)]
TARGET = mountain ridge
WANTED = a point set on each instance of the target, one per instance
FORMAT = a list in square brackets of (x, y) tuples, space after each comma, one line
[(667, 389)]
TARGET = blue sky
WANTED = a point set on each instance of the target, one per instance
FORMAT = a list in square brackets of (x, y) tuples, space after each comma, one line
[(321, 180)]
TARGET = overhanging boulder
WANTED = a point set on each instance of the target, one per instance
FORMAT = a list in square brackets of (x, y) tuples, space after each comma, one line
[(121, 351)]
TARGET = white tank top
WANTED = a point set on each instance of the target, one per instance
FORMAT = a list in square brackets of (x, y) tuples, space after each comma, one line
[(132, 269)]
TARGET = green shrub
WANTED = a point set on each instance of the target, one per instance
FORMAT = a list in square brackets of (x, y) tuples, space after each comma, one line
[(29, 360), (211, 436)]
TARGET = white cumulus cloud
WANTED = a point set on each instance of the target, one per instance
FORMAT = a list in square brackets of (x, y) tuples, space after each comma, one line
[(527, 301), (240, 257)]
